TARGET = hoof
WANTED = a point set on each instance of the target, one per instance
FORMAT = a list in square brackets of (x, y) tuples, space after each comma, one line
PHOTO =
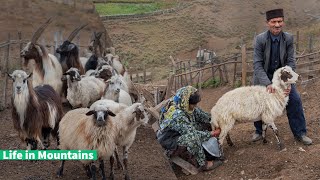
[(281, 147)]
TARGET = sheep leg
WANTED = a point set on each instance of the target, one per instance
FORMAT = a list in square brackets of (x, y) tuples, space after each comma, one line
[(103, 173), (229, 141), (111, 167), (93, 171), (125, 162), (87, 169), (60, 170), (264, 130), (119, 164), (276, 133)]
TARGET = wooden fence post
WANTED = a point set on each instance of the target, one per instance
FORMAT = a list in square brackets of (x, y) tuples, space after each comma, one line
[(310, 44), (20, 48), (6, 64), (189, 64), (297, 41), (244, 64), (144, 74), (235, 71)]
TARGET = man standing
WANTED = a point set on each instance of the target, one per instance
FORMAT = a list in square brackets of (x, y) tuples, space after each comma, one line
[(274, 49)]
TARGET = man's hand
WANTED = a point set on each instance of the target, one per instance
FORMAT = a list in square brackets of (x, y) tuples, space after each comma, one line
[(287, 91), (270, 89)]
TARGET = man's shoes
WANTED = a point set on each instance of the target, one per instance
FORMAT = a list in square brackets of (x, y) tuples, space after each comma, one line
[(304, 139), (256, 137)]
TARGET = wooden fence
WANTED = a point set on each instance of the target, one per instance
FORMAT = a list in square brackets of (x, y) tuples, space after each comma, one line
[(235, 70)]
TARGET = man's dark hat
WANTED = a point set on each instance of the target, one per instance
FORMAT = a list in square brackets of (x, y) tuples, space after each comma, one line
[(275, 13)]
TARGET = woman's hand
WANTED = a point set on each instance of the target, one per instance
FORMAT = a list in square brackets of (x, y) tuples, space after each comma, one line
[(216, 132)]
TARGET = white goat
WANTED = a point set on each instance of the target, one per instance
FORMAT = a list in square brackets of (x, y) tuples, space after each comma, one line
[(88, 129), (253, 103), (83, 91), (46, 69)]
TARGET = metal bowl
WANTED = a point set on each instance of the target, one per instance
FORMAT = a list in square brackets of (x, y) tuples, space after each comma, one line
[(212, 147)]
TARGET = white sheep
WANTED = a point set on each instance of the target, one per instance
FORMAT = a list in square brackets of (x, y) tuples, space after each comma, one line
[(91, 129), (83, 91), (253, 103), (126, 122)]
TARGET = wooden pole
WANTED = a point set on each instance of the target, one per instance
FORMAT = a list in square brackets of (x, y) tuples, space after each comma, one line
[(235, 71), (4, 105), (185, 76), (144, 74), (297, 41), (244, 64), (310, 44), (20, 48), (189, 64)]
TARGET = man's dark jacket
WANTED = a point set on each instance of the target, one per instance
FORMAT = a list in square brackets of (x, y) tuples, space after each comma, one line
[(261, 55)]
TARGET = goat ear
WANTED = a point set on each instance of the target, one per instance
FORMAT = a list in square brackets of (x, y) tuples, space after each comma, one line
[(89, 113), (64, 77), (111, 113), (29, 75), (39, 50), (11, 76), (70, 47)]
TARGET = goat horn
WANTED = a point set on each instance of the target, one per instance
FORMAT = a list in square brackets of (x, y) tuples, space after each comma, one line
[(40, 30), (75, 32)]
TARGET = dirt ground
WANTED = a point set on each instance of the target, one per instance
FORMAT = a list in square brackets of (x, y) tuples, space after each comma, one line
[(216, 25)]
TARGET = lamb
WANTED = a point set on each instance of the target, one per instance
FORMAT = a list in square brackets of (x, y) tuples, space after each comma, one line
[(126, 122), (36, 111), (82, 92), (253, 103), (46, 69), (91, 129)]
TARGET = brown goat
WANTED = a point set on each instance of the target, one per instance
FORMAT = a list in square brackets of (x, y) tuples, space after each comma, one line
[(36, 111)]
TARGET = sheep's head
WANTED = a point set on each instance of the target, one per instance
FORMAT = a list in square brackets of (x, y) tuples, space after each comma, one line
[(141, 114), (100, 114), (73, 73), (20, 83), (284, 76), (104, 72)]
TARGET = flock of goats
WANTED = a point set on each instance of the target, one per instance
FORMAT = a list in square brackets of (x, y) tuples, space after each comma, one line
[(106, 107)]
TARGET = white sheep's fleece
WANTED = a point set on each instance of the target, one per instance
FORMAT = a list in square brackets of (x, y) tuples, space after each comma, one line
[(83, 93), (252, 103), (126, 124), (77, 131)]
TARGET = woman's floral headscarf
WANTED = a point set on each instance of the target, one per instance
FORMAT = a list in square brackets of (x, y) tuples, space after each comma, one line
[(179, 101)]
